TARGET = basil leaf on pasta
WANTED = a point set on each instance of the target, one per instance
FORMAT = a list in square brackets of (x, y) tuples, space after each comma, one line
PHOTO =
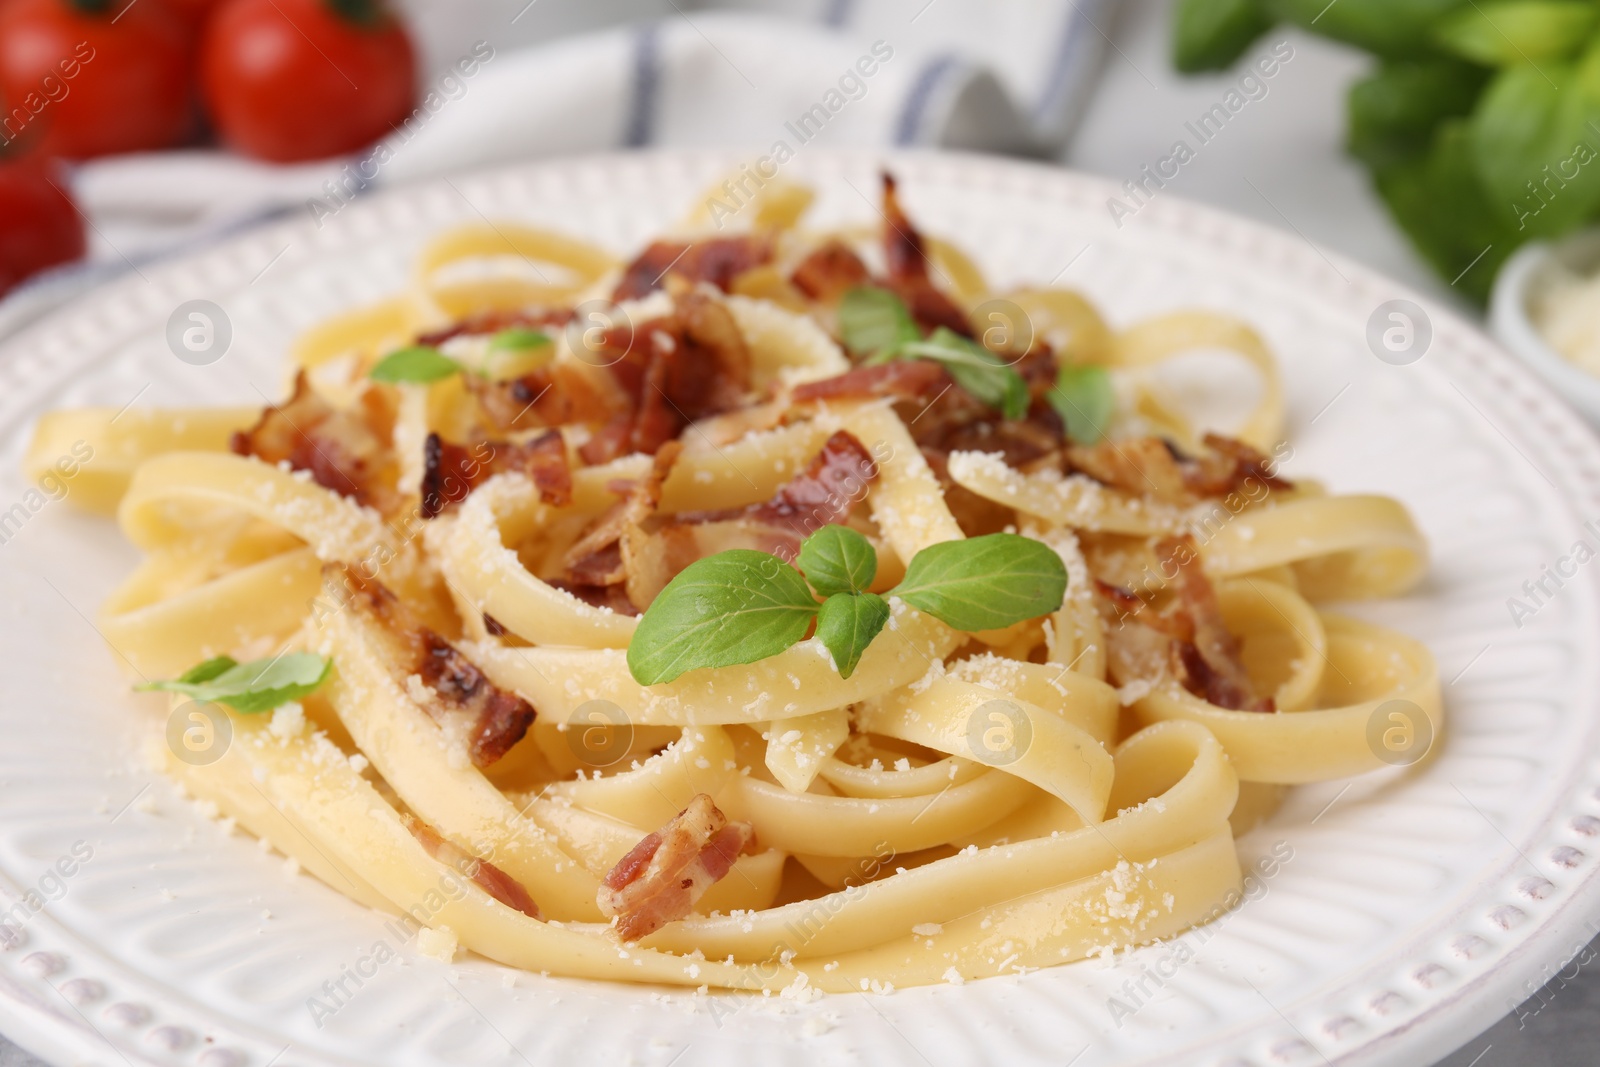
[(1084, 399), (250, 687), (837, 559), (517, 339), (737, 606), (418, 364), (874, 322), (847, 624), (985, 583), (976, 369)]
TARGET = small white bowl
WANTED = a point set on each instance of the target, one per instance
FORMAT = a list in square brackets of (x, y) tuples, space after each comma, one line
[(1529, 270)]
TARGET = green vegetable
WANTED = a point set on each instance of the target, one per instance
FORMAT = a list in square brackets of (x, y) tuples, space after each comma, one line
[(737, 606), (837, 559), (741, 606), (985, 583), (1517, 31), (250, 688), (1393, 112), (874, 322), (847, 624), (976, 369), (1211, 34), (1534, 141), (1442, 205), (1084, 399), (1395, 28), (1480, 127), (518, 338), (419, 363)]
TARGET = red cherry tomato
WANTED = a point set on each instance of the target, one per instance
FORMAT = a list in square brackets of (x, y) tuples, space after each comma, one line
[(39, 227), (84, 78), (289, 80), (194, 11)]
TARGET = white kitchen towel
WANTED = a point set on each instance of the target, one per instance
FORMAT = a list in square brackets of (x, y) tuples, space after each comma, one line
[(508, 80)]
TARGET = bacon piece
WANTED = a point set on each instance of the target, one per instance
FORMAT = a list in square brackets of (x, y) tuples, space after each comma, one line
[(903, 379), (612, 597), (905, 253), (829, 271), (831, 485), (667, 873), (494, 322), (345, 451), (1213, 668), (596, 558), (491, 879), (1229, 468), (679, 368), (450, 471), (1143, 466), (557, 394), (493, 719), (718, 260), (1154, 467)]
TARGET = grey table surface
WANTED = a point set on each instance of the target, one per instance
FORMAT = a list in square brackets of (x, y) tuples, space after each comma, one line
[(1280, 162)]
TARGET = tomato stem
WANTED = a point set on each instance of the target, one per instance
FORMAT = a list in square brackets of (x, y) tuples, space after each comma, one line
[(360, 12), (91, 7)]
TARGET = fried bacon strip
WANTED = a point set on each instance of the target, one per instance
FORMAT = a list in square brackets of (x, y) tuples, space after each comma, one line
[(1188, 641), (459, 693), (672, 370), (829, 271), (494, 322), (903, 379), (345, 451), (1154, 467), (491, 879), (906, 255), (667, 873), (557, 394), (1211, 665), (451, 471), (832, 483), (719, 261)]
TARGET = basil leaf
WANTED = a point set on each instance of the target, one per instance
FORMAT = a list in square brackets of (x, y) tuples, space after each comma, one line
[(251, 687), (518, 338), (985, 583), (1085, 400), (1444, 207), (837, 559), (207, 670), (976, 369), (847, 624), (1534, 136), (419, 363), (737, 606), (1517, 31), (874, 322), (1211, 34), (1398, 28), (1393, 113)]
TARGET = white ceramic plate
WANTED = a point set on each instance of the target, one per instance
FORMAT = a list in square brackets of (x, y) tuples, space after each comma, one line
[(1415, 908)]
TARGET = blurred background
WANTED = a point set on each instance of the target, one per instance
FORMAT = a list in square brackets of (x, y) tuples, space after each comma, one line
[(1450, 144)]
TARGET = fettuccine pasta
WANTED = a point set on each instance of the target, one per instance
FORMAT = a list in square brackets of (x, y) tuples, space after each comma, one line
[(475, 492)]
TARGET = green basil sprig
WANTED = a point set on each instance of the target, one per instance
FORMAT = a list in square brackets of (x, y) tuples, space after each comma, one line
[(877, 326), (1084, 399), (518, 339), (250, 688), (741, 606), (416, 364)]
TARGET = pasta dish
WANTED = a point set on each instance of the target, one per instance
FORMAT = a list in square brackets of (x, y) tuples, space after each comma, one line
[(778, 609)]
